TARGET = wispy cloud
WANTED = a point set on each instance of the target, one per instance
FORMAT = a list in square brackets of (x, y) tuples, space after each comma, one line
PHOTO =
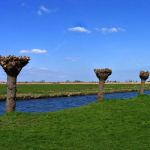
[(34, 51), (23, 4), (79, 29), (72, 59), (41, 73), (110, 30), (44, 10), (104, 30)]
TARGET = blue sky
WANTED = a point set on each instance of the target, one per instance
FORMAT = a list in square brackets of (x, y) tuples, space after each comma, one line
[(67, 39)]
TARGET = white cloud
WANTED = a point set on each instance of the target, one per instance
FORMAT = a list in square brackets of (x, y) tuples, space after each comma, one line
[(79, 29), (110, 30), (44, 10), (34, 51)]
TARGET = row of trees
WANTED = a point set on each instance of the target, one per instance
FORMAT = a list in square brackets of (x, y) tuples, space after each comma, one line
[(12, 65), (103, 74)]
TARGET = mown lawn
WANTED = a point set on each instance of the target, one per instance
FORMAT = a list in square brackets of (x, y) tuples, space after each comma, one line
[(110, 125)]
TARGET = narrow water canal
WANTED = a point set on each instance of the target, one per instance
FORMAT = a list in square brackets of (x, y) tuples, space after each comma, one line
[(59, 103)]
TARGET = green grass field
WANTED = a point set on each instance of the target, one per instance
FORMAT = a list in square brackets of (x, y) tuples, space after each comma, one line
[(52, 90), (110, 125)]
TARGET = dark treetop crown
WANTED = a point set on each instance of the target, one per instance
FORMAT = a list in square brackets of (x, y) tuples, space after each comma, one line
[(144, 75), (103, 74), (12, 64)]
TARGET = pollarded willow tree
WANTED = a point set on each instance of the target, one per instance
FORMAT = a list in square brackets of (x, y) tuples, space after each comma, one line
[(144, 75), (102, 75), (12, 65)]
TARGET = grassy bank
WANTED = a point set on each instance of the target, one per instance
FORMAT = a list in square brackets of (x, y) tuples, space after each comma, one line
[(27, 91), (111, 125)]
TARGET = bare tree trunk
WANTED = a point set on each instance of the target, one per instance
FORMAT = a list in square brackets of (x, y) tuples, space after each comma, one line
[(101, 91), (142, 87), (11, 93), (12, 65)]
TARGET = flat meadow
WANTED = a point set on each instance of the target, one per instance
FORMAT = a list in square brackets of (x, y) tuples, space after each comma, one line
[(109, 125), (36, 90)]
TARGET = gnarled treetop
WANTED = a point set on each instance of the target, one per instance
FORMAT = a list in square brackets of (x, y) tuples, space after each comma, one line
[(12, 64), (103, 74), (144, 75)]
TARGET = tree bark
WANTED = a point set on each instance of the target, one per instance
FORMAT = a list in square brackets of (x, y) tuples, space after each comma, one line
[(142, 87), (11, 94), (101, 91)]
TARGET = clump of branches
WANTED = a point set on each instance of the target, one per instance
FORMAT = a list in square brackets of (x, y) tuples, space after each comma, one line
[(103, 74), (144, 75), (12, 65)]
